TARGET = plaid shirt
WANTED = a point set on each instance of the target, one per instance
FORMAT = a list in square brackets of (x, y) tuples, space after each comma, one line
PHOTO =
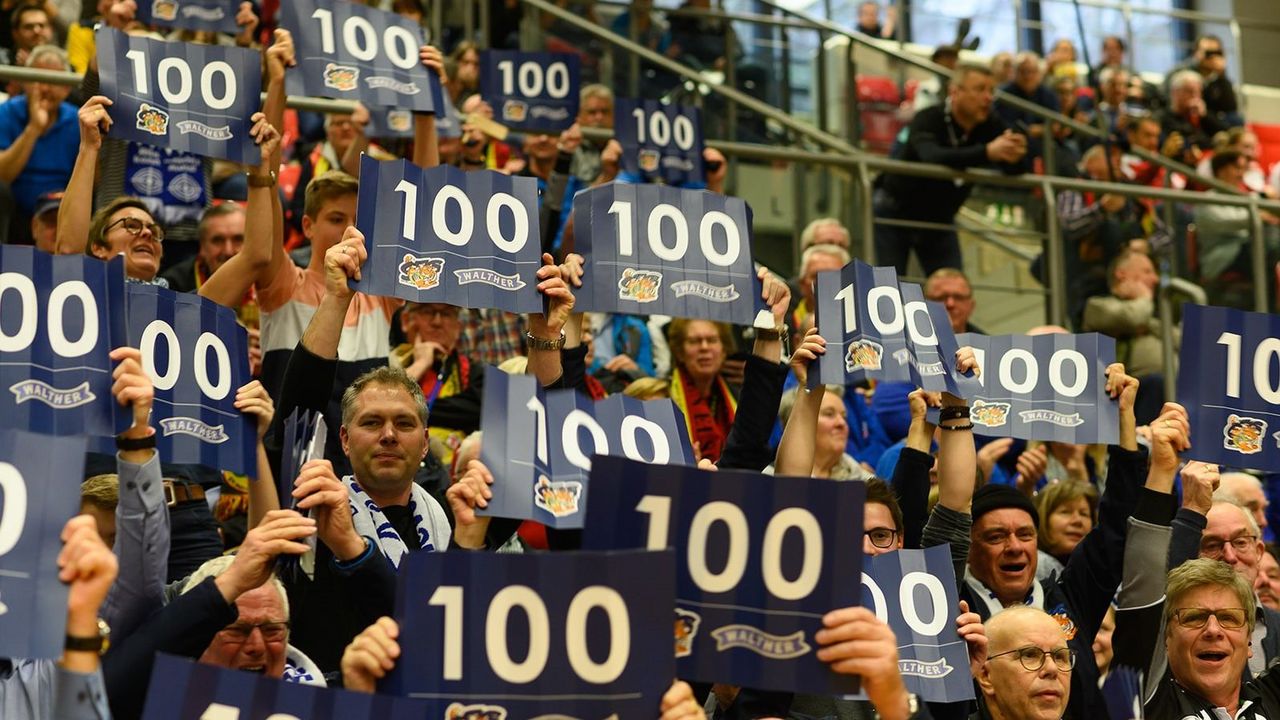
[(491, 336)]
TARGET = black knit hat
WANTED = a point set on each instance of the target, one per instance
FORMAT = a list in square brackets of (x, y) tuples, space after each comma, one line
[(996, 497)]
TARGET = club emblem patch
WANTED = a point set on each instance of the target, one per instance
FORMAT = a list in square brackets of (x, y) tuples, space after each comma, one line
[(639, 285), (987, 414), (863, 355), (514, 111), (153, 120), (164, 10), (1243, 434), (686, 629), (420, 273), (649, 160), (558, 498), (458, 711), (341, 77)]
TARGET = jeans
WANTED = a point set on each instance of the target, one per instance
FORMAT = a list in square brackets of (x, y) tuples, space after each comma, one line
[(935, 249)]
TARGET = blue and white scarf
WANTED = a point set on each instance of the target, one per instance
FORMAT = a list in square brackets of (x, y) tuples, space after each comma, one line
[(370, 521)]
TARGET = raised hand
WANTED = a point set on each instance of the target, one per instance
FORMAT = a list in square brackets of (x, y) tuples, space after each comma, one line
[(1199, 482), (281, 55), (132, 387), (88, 566), (551, 283), (471, 491), (94, 121), (268, 139), (278, 534), (810, 349), (776, 294), (343, 261), (678, 703), (370, 656)]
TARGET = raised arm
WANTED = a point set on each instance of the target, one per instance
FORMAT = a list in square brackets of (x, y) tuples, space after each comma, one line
[(252, 399), (142, 517), (545, 329), (88, 567), (229, 283), (957, 458), (342, 262), (76, 209), (796, 449), (277, 58), (426, 142)]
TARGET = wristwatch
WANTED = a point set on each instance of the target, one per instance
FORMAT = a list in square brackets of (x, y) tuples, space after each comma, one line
[(96, 644), (537, 343), (913, 706), (258, 181)]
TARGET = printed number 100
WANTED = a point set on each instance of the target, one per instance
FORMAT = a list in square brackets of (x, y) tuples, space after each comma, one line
[(1262, 355)]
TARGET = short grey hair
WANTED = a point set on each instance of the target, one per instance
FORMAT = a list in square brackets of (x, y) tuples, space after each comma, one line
[(1185, 77), (595, 90), (810, 230), (40, 52), (824, 249), (388, 376), (216, 566), (1223, 498)]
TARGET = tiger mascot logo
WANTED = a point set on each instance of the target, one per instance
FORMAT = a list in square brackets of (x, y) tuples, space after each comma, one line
[(1243, 434), (987, 414), (153, 120), (400, 120), (649, 160), (863, 355), (341, 77), (421, 273), (164, 10), (686, 628), (458, 711), (558, 498), (514, 111), (639, 285)]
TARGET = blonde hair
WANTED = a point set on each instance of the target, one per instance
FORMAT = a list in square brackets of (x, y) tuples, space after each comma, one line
[(1201, 572), (648, 388), (101, 491)]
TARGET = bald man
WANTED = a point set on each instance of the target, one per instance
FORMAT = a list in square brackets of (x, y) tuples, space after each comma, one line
[(1027, 674)]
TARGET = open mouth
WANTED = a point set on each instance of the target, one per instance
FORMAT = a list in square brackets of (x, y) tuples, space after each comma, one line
[(143, 249), (1213, 656), (259, 669), (1012, 568)]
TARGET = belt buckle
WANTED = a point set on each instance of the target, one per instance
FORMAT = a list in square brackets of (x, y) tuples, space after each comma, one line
[(170, 498)]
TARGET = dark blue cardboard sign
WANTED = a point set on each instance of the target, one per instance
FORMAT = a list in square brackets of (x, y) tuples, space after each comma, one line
[(1227, 381), (657, 250), (184, 96), (199, 15), (488, 635), (660, 143), (539, 445), (914, 592), (1044, 387), (60, 318), (39, 493), (759, 561), (534, 91), (196, 354), (183, 689), (878, 328), (350, 51), (445, 236)]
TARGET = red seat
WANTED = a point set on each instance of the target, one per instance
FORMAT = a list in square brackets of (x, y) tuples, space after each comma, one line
[(878, 89), (1269, 141)]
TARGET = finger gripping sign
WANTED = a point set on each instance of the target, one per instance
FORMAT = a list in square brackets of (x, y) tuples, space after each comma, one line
[(445, 236), (199, 15), (759, 561), (660, 143), (914, 593), (651, 249), (539, 445), (184, 96), (60, 317), (1044, 387), (535, 91), (878, 328), (1229, 382), (348, 51), (196, 354), (496, 637), (183, 689), (39, 492)]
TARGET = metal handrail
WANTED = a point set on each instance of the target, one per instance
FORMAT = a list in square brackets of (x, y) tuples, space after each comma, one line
[(879, 45), (861, 165), (730, 93), (1180, 14)]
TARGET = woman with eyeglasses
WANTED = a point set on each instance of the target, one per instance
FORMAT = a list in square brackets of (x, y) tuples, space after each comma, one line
[(887, 524)]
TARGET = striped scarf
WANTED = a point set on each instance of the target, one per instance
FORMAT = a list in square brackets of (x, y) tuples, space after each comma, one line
[(370, 522), (707, 417)]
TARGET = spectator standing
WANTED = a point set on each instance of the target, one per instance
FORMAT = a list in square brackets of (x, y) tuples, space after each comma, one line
[(961, 133), (39, 140), (1210, 62)]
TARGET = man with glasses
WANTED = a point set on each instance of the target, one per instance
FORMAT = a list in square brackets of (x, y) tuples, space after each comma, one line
[(1027, 672), (1209, 615), (950, 287), (1232, 536)]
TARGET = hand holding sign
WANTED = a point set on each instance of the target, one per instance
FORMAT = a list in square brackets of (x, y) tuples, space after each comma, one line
[(252, 399), (970, 629), (279, 534), (319, 491), (371, 656), (553, 286), (532, 90), (812, 348), (855, 642), (471, 491), (133, 389), (95, 122), (679, 703), (87, 565), (343, 263), (1170, 435)]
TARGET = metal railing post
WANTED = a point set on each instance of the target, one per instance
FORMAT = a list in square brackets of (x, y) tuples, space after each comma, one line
[(1258, 255), (1169, 366), (469, 19), (1054, 255), (730, 75), (866, 192), (485, 40), (437, 23), (1167, 209), (633, 60), (852, 114)]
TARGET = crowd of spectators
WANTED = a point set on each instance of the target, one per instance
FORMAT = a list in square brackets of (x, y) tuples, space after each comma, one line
[(1069, 559)]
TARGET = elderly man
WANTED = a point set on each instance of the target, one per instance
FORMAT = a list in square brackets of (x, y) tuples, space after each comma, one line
[(1210, 62), (1208, 618), (815, 259), (1027, 673), (950, 287), (824, 231), (961, 134), (1028, 84), (595, 110), (39, 137), (1245, 490), (1188, 116), (1003, 557)]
